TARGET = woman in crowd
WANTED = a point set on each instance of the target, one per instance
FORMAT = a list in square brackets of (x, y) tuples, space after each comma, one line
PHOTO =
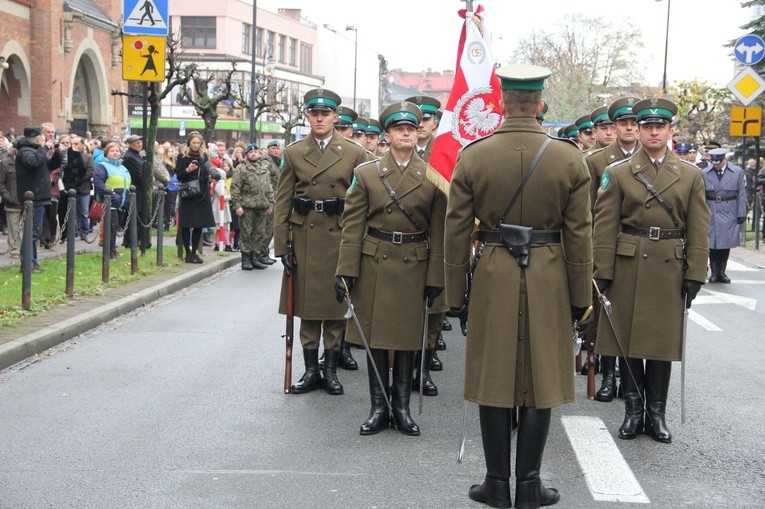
[(194, 213), (110, 174)]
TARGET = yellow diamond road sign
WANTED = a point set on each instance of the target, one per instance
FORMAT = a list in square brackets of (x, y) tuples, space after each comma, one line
[(747, 86), (745, 121), (143, 58)]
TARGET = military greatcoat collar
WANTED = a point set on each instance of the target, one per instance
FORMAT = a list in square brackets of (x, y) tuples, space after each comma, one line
[(406, 182), (669, 171), (332, 154)]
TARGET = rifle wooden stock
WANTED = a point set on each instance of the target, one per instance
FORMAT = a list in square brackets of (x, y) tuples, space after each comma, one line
[(590, 335), (289, 333)]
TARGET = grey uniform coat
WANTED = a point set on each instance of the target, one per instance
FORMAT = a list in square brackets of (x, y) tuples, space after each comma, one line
[(389, 291), (648, 274), (309, 173), (519, 349), (723, 228)]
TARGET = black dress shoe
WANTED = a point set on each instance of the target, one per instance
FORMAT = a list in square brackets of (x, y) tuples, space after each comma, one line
[(267, 261), (440, 343), (258, 265), (435, 363), (446, 325)]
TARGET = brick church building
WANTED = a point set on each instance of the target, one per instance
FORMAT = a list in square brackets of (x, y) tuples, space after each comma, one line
[(59, 63)]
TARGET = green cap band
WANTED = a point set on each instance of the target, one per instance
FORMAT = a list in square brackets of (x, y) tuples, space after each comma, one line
[(399, 115), (322, 100), (585, 125), (622, 111), (373, 129), (508, 84), (571, 132), (654, 112), (428, 108), (344, 118), (600, 118)]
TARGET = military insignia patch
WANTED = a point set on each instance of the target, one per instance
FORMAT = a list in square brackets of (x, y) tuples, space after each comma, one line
[(353, 184), (281, 164), (604, 180)]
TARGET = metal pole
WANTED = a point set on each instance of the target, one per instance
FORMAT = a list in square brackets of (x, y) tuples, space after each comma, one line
[(106, 225), (757, 210), (160, 223), (146, 186), (252, 69), (27, 248), (71, 227), (666, 49), (134, 233), (355, 63)]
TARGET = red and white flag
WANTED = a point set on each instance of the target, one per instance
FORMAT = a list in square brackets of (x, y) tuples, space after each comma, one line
[(473, 110)]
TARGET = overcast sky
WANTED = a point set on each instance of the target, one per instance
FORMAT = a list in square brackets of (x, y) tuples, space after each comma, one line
[(416, 34)]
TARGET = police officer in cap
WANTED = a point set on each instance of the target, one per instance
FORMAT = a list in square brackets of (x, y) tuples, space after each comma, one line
[(682, 149), (726, 198), (391, 261), (520, 308), (586, 136), (316, 172), (650, 253), (345, 119)]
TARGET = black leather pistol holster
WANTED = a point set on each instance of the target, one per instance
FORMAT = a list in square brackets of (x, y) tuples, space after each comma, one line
[(517, 240)]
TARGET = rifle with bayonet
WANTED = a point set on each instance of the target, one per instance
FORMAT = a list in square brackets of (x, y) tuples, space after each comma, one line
[(290, 328)]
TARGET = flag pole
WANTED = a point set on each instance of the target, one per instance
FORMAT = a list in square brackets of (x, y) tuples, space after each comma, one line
[(468, 5)]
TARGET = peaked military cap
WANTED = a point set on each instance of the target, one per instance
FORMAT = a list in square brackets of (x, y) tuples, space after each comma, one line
[(373, 126), (321, 99), (570, 131), (428, 105), (694, 147), (655, 110), (543, 111), (711, 145), (402, 112), (584, 123), (622, 108), (717, 154), (682, 147), (360, 125), (345, 116), (522, 77), (600, 116)]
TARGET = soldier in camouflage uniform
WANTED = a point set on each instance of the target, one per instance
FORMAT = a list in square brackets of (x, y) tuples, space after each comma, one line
[(272, 159), (252, 199)]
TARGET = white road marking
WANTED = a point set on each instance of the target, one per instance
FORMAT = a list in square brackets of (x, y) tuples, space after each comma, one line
[(607, 474), (740, 267), (748, 281), (700, 320), (712, 297)]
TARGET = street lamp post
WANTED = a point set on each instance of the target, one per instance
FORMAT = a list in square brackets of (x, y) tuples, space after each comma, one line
[(355, 59), (252, 69), (666, 48)]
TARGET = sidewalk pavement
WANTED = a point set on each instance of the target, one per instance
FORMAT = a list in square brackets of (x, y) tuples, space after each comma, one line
[(38, 333)]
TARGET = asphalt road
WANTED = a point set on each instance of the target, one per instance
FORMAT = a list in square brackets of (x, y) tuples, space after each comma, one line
[(180, 405)]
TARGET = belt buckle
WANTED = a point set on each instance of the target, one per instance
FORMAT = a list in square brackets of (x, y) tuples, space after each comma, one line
[(318, 206), (718, 199), (654, 233), (397, 238)]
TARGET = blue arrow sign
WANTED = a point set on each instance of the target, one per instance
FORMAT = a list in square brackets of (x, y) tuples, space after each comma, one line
[(145, 17), (749, 50)]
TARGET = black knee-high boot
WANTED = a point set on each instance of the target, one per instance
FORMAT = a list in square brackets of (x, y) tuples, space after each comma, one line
[(495, 435), (403, 364), (657, 375), (723, 265), (379, 417), (311, 379), (632, 385), (607, 390), (533, 425)]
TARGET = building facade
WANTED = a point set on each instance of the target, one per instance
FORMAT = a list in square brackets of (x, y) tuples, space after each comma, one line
[(60, 63)]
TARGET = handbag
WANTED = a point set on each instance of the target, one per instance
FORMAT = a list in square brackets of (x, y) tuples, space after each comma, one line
[(172, 184), (96, 212), (189, 190)]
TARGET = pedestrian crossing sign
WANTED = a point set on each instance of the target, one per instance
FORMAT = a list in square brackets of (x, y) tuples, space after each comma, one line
[(145, 17), (143, 58)]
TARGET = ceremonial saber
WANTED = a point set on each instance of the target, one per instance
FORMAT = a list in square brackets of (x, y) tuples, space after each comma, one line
[(686, 305), (461, 453), (422, 351), (352, 314)]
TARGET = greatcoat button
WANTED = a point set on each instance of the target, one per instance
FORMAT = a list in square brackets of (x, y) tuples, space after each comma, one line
[(311, 225), (645, 256), (313, 183), (406, 259), (385, 257), (648, 205)]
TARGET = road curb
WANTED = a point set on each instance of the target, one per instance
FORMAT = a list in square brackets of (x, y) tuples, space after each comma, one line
[(19, 349)]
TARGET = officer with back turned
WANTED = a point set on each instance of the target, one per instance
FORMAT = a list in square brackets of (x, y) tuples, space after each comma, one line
[(522, 302), (316, 172), (650, 254)]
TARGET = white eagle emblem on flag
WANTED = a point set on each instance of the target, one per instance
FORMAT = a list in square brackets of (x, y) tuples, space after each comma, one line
[(481, 118)]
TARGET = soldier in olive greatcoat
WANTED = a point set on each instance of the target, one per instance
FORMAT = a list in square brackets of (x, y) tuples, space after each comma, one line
[(391, 260), (519, 350), (650, 253), (316, 172)]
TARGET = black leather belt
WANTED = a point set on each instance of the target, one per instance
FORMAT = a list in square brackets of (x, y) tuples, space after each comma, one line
[(536, 237), (330, 206), (398, 237), (721, 198), (654, 232)]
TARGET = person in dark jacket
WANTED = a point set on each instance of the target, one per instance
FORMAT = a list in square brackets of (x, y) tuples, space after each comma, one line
[(33, 174), (194, 213), (133, 161), (77, 174), (11, 201)]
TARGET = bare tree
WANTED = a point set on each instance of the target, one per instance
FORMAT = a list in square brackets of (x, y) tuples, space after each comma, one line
[(703, 112), (591, 62), (213, 88)]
